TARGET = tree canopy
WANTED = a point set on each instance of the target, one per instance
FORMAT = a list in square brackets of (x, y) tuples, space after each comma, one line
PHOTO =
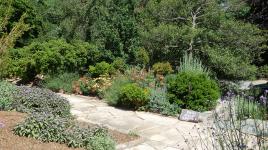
[(226, 35)]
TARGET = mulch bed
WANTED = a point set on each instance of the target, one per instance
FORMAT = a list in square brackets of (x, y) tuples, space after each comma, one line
[(9, 141)]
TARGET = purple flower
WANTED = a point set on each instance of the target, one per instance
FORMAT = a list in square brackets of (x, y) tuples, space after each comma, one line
[(265, 92), (2, 125), (263, 99)]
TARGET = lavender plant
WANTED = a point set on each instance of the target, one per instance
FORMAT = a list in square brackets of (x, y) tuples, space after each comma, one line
[(238, 125)]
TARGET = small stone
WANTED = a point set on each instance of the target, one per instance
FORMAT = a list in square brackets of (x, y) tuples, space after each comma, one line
[(189, 116)]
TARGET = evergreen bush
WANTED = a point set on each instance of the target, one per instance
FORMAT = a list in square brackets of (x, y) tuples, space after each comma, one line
[(193, 91)]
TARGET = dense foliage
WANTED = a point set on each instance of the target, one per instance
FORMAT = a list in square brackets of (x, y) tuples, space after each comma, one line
[(162, 68), (40, 100), (193, 91), (50, 128), (133, 96), (159, 103), (102, 68), (111, 95), (6, 95), (60, 82), (53, 56), (263, 72), (139, 32)]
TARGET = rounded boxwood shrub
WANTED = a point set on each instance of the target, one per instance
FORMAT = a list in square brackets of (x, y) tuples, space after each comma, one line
[(133, 96), (193, 91)]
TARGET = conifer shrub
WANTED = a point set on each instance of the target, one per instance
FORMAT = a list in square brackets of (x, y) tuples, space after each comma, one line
[(193, 91)]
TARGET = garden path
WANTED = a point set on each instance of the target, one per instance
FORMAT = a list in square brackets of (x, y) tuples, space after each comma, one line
[(156, 132)]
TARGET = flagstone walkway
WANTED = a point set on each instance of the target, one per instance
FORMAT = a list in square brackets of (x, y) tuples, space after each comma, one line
[(157, 132)]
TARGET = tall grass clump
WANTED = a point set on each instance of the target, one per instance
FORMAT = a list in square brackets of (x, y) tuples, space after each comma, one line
[(59, 82), (191, 64), (112, 94), (249, 109)]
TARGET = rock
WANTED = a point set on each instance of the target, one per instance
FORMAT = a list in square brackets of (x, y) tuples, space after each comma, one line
[(206, 116), (189, 116), (244, 85)]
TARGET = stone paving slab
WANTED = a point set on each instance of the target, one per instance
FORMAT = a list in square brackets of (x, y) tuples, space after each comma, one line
[(157, 132)]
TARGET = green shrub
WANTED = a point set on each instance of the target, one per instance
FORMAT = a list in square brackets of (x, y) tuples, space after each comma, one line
[(263, 72), (162, 68), (54, 56), (50, 128), (59, 82), (31, 100), (111, 95), (159, 103), (133, 96), (99, 142), (101, 68), (94, 138), (228, 66), (44, 127), (6, 95), (193, 91), (141, 57), (192, 65), (119, 64)]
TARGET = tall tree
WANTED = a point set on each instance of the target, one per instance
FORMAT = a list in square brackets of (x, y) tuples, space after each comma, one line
[(9, 33), (204, 28)]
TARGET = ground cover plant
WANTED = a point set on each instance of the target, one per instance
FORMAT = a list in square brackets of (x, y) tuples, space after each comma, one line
[(36, 100), (50, 128), (50, 119), (8, 140)]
